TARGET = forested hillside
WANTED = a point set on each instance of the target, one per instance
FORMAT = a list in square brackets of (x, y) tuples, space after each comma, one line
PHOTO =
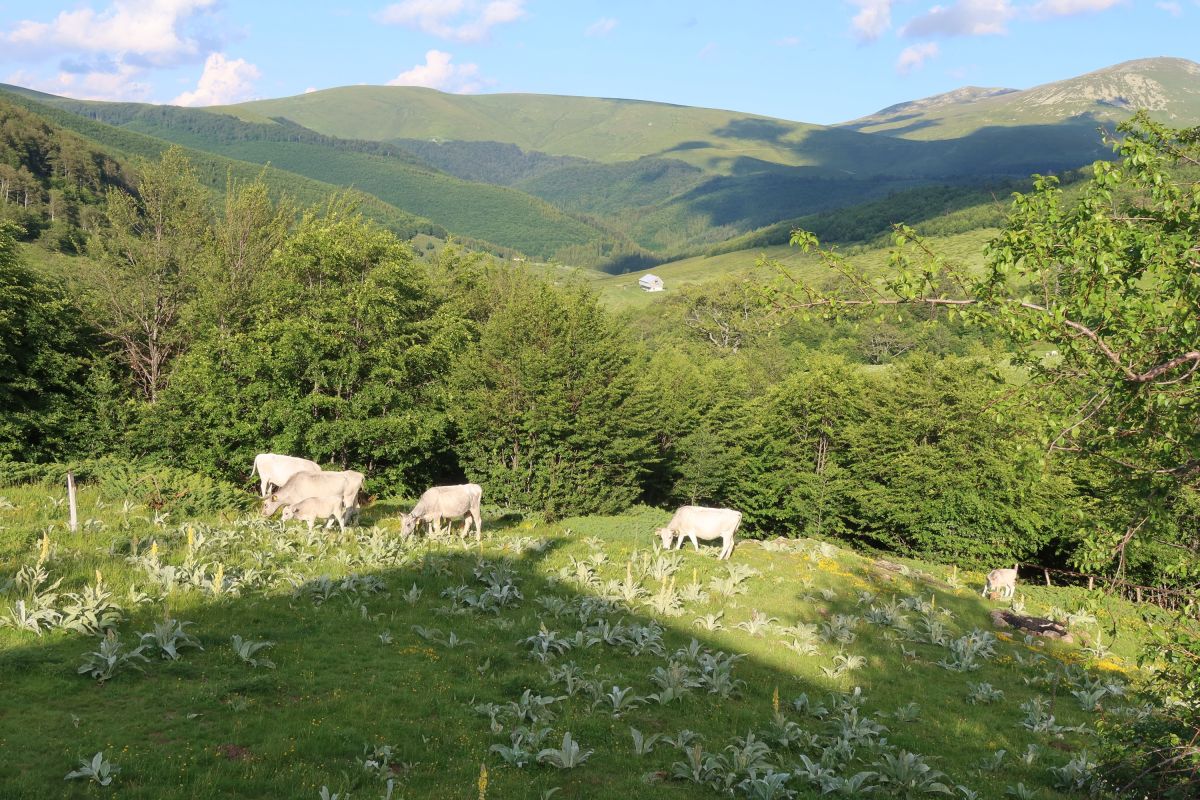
[(213, 171), (620, 184), (471, 210)]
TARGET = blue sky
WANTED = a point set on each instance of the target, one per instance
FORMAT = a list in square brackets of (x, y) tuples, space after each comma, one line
[(811, 61)]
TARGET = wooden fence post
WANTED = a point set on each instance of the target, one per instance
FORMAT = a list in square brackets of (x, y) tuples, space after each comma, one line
[(74, 523), (1091, 582), (1046, 574)]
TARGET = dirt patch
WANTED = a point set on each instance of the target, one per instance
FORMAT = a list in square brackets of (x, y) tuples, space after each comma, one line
[(1038, 626), (234, 752)]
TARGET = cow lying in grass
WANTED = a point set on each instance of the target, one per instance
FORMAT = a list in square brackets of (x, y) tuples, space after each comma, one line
[(698, 522)]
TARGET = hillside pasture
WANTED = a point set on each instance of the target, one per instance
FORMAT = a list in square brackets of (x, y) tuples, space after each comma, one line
[(622, 291), (411, 661)]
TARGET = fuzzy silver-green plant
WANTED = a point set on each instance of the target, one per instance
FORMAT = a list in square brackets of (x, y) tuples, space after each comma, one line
[(246, 650), (98, 770), (110, 658), (567, 756), (168, 637)]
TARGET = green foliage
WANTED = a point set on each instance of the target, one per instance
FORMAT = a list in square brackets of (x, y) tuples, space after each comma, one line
[(45, 350), (148, 264), (99, 770), (546, 404), (340, 357), (51, 180)]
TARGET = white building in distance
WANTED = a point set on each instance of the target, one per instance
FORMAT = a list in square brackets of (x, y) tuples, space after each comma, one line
[(651, 283)]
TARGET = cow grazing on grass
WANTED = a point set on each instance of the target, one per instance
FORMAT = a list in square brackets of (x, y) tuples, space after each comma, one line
[(446, 503), (698, 522), (274, 470), (318, 508), (354, 485), (304, 485), (1005, 580)]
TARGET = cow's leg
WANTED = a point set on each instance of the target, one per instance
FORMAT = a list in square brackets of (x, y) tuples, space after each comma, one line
[(476, 517), (695, 544)]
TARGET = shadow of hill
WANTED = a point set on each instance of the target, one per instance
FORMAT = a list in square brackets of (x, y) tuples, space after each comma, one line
[(211, 726)]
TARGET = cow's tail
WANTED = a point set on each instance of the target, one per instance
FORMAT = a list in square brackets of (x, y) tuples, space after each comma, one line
[(254, 468)]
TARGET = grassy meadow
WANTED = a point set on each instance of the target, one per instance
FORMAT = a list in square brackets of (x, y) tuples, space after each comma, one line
[(395, 667)]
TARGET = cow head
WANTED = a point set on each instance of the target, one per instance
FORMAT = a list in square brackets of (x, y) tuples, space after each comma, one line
[(271, 504), (408, 524), (289, 512), (667, 535)]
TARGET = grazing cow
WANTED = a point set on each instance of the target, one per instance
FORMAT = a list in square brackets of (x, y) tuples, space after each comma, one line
[(354, 484), (316, 508), (1003, 579), (698, 522), (446, 503), (304, 485), (274, 470)]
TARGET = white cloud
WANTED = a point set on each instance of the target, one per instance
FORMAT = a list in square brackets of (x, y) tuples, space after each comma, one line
[(459, 20), (1174, 9), (310, 90), (963, 18), (708, 51), (120, 84), (872, 20), (789, 41), (151, 30), (1066, 8), (915, 56), (438, 73), (601, 27), (223, 81)]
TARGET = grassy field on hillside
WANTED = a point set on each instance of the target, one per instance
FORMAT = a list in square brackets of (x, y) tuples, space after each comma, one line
[(622, 291), (409, 661)]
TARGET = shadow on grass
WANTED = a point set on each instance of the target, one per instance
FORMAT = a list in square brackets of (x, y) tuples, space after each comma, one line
[(209, 725)]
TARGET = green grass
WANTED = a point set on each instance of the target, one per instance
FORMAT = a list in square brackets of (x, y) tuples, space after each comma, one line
[(622, 291), (209, 725)]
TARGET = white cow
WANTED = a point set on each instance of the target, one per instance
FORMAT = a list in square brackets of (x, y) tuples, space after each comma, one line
[(274, 469), (304, 485), (317, 508), (1003, 579), (354, 484), (446, 503), (698, 522)]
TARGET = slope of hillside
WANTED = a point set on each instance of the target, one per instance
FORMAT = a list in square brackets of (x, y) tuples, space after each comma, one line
[(214, 170), (1167, 87), (507, 217), (369, 664)]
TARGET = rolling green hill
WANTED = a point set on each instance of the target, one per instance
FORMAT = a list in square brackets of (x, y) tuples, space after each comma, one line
[(476, 210), (214, 170), (620, 183)]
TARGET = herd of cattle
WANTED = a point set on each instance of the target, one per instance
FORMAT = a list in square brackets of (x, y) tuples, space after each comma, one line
[(304, 491)]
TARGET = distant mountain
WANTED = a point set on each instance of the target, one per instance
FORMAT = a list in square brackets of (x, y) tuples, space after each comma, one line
[(616, 183), (1169, 88)]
